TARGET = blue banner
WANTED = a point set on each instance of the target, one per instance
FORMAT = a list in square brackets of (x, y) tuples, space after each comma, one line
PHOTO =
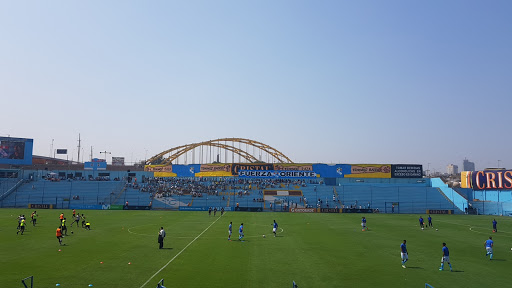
[(187, 208), (89, 207), (276, 174)]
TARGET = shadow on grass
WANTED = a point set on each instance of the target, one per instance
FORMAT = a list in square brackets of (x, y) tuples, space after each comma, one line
[(166, 248), (457, 271), (498, 260), (409, 267)]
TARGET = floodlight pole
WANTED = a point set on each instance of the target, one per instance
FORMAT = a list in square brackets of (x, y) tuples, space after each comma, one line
[(105, 152)]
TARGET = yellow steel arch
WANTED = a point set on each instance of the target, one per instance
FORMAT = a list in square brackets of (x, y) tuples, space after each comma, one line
[(180, 150)]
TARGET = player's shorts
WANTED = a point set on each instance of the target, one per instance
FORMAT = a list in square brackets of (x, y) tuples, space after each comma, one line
[(241, 234), (274, 230), (488, 249), (445, 259), (404, 256), (229, 231)]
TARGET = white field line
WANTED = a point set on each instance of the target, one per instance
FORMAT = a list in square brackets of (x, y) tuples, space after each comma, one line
[(179, 253)]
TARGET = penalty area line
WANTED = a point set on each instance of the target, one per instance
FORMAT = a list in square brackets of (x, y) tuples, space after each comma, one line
[(145, 283)]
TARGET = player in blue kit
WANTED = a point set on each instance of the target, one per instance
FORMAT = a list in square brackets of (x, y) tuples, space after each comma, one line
[(230, 230), (274, 230), (445, 258), (489, 244), (421, 222), (494, 223), (430, 222), (403, 253), (363, 223), (241, 232)]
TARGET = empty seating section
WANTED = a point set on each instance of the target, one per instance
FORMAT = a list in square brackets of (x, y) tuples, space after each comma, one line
[(63, 193)]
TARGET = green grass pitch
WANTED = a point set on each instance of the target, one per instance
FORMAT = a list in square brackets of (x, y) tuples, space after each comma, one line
[(315, 250)]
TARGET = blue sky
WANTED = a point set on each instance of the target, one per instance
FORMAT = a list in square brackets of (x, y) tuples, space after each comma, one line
[(321, 81)]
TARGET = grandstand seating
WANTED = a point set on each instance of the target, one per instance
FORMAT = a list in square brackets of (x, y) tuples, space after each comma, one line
[(409, 195), (63, 193)]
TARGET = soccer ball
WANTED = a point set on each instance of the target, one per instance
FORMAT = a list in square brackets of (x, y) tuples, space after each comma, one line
[(71, 232), (437, 230), (263, 236), (422, 228)]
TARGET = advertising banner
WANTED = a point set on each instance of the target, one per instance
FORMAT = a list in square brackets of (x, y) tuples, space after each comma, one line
[(406, 171), (369, 171), (295, 167), (465, 179), (215, 168), (355, 210), (235, 168), (158, 168), (491, 180), (276, 174), (16, 151), (116, 207), (329, 210), (437, 211), (87, 207), (62, 151), (118, 161), (40, 206), (131, 207), (302, 210), (249, 209)]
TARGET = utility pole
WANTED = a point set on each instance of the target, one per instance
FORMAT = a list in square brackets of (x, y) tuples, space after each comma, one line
[(78, 148), (105, 152)]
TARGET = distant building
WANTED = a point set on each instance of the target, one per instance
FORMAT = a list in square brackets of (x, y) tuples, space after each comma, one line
[(452, 169), (467, 165)]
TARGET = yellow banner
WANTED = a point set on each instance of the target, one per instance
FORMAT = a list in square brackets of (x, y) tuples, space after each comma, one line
[(289, 166), (158, 168), (465, 179), (164, 174), (216, 168), (214, 174), (369, 171)]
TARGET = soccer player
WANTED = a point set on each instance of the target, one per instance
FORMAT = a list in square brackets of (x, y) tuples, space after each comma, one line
[(404, 254), (230, 230), (59, 235), (221, 211), (421, 222), (214, 211), (22, 225), (489, 244), (64, 227), (88, 225), (210, 211), (32, 220), (363, 223), (494, 223), (430, 222), (241, 232), (61, 217), (83, 220), (74, 213), (77, 219), (445, 258), (274, 230)]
